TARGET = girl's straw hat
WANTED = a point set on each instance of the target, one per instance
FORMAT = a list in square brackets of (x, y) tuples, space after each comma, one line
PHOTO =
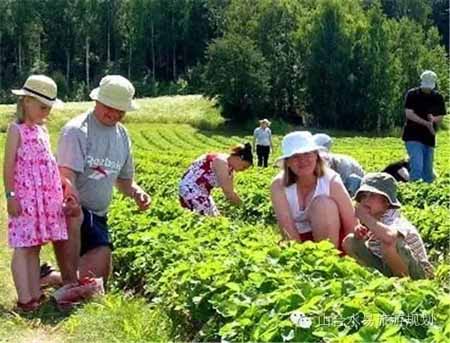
[(42, 88)]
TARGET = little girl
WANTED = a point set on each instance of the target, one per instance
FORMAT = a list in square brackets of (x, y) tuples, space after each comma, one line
[(32, 187)]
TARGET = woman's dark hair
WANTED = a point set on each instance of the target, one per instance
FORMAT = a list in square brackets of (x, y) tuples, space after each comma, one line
[(244, 151)]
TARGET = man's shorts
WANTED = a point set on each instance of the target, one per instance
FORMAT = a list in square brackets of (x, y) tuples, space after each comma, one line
[(94, 232)]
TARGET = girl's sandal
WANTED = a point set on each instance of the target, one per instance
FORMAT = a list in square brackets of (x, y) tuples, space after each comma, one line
[(28, 307)]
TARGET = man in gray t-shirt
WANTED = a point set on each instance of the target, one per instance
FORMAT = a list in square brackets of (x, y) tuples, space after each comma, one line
[(94, 155)]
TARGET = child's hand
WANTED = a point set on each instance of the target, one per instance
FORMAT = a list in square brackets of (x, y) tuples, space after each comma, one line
[(361, 232), (14, 208), (362, 213)]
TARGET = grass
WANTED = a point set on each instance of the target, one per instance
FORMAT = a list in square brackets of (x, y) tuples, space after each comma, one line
[(116, 318), (194, 110)]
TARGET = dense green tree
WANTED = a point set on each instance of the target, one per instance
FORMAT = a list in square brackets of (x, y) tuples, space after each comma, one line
[(276, 39), (328, 68), (339, 63), (440, 15), (379, 88), (236, 74)]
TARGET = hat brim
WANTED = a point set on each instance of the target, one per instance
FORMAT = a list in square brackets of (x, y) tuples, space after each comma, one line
[(57, 103), (366, 188), (131, 106), (280, 160), (265, 121), (429, 85)]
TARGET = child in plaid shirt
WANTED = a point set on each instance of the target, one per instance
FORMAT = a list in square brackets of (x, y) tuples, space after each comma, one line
[(384, 239)]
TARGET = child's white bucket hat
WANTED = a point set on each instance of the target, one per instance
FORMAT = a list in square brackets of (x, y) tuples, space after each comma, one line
[(115, 91), (42, 88)]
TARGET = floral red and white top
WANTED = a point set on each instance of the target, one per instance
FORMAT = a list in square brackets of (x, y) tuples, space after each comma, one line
[(196, 185), (37, 185)]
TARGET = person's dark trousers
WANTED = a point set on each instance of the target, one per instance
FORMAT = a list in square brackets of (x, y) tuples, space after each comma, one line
[(262, 151)]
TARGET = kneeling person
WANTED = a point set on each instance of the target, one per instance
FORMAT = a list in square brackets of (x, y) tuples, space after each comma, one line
[(384, 239)]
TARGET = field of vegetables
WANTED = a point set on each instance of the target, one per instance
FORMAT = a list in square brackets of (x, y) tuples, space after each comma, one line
[(229, 279)]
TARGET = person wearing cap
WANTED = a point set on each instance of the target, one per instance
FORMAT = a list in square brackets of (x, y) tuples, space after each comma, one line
[(262, 142), (209, 171), (346, 166), (33, 187), (384, 239), (94, 155), (424, 109), (309, 198)]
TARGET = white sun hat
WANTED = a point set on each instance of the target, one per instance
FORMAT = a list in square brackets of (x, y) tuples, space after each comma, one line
[(265, 120), (428, 79), (42, 88), (115, 91), (323, 140), (297, 142)]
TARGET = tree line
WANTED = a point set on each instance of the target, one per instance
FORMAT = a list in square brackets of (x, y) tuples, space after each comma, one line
[(335, 63)]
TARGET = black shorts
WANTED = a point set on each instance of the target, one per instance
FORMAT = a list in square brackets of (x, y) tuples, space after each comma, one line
[(94, 232)]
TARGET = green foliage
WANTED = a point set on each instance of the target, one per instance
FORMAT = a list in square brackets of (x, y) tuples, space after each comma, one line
[(329, 64), (236, 72), (229, 278), (338, 64), (277, 41)]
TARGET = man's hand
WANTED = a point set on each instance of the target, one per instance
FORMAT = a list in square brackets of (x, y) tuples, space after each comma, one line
[(432, 118), (14, 208), (69, 191), (430, 127), (142, 199)]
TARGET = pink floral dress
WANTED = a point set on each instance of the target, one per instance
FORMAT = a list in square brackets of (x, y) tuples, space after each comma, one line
[(37, 185), (196, 185)]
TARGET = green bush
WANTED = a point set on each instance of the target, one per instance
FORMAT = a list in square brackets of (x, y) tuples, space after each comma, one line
[(236, 73)]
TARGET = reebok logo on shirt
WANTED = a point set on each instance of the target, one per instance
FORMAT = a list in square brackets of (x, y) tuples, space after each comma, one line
[(98, 173)]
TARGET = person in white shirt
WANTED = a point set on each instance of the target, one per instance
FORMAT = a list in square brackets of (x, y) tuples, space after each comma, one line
[(262, 142), (305, 190)]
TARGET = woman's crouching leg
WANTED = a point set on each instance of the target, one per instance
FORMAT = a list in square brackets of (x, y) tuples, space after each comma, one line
[(323, 215)]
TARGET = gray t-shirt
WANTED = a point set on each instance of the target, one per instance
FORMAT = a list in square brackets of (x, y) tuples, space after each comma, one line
[(344, 165), (98, 154)]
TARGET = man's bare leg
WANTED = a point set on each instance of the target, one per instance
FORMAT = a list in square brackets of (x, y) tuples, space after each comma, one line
[(96, 262), (68, 252)]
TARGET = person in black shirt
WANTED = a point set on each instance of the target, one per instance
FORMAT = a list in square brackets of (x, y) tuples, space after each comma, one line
[(424, 109)]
